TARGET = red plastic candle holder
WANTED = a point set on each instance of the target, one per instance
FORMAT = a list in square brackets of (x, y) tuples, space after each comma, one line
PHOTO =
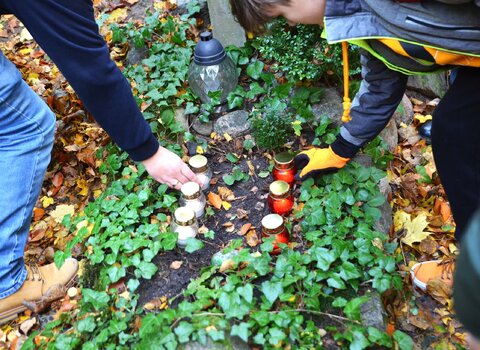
[(284, 168), (280, 198), (273, 226)]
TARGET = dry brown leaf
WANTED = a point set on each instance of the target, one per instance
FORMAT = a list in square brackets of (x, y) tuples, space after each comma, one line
[(251, 168), (226, 265), (243, 231), (215, 200), (428, 246), (242, 214), (438, 290), (27, 325), (419, 322), (36, 235), (57, 180), (157, 303), (445, 211), (252, 238), (204, 229), (38, 213), (226, 193)]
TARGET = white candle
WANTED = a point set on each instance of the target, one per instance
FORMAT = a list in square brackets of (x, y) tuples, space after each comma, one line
[(193, 198), (199, 165), (184, 224)]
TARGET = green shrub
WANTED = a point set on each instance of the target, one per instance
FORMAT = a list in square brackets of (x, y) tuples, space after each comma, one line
[(301, 52), (272, 130)]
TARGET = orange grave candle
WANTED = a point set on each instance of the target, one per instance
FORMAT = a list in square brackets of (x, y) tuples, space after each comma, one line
[(273, 226), (284, 168), (280, 198)]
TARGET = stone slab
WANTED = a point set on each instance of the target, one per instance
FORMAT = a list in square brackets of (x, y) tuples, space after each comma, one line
[(224, 27)]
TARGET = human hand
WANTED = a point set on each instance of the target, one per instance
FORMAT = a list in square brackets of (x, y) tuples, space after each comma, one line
[(316, 161), (168, 168)]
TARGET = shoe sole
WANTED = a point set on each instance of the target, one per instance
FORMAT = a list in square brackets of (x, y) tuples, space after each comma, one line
[(12, 314)]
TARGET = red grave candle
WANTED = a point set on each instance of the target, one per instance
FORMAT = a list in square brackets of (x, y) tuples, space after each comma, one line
[(284, 168), (280, 198), (273, 226)]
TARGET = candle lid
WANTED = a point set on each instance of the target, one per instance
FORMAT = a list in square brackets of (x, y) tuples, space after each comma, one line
[(272, 221), (190, 190), (279, 188), (283, 158), (184, 216), (198, 163)]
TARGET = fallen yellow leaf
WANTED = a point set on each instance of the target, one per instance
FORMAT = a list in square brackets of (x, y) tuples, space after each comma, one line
[(46, 201), (60, 211), (416, 230), (422, 118)]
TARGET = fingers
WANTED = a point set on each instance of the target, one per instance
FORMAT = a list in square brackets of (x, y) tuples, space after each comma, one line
[(301, 160), (190, 175), (174, 184)]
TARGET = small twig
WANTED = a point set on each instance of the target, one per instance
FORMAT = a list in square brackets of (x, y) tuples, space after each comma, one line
[(313, 312), (403, 253)]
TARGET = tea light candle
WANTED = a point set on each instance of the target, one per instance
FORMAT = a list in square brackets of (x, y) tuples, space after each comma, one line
[(199, 165), (284, 168), (273, 225), (280, 198), (185, 224), (193, 198)]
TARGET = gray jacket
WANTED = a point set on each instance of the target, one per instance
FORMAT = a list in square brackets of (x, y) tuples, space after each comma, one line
[(382, 88)]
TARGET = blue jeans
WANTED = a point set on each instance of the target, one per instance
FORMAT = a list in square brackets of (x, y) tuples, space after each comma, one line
[(26, 139)]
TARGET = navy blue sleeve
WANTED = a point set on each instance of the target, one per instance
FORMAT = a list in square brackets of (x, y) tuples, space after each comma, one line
[(66, 30)]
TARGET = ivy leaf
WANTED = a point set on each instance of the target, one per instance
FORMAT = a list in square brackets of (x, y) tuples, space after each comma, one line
[(183, 331), (193, 245), (352, 309), (255, 69), (246, 292), (360, 342), (263, 174), (147, 269), (229, 179), (272, 290), (403, 340), (377, 201), (324, 258), (115, 273), (234, 101), (98, 300), (336, 282), (248, 144), (240, 330), (86, 325), (276, 336), (232, 157)]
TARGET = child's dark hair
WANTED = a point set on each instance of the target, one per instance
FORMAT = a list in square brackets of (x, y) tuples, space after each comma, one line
[(254, 14)]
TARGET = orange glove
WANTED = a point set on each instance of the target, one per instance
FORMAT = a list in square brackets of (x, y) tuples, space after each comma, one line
[(316, 161)]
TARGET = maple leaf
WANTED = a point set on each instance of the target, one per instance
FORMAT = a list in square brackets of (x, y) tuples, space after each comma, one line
[(415, 228), (60, 211)]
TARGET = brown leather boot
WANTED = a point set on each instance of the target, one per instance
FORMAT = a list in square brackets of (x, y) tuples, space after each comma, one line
[(41, 282)]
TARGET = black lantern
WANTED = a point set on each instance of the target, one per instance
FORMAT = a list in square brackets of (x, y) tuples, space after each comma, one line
[(211, 69)]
